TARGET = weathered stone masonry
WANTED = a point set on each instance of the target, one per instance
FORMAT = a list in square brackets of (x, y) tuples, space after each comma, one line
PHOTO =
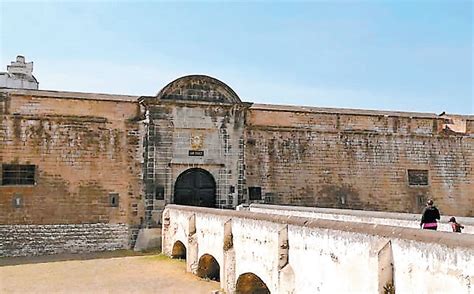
[(85, 147), (27, 240), (111, 160), (194, 113), (359, 159)]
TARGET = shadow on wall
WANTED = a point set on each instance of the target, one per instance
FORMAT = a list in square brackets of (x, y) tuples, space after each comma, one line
[(344, 196), (250, 283), (179, 250), (208, 268)]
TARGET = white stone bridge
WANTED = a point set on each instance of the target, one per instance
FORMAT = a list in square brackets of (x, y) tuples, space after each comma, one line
[(250, 252)]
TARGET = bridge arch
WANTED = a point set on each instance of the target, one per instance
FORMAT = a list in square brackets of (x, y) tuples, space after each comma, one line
[(208, 267), (250, 283), (179, 250)]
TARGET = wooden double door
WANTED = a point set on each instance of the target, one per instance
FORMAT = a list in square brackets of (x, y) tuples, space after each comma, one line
[(195, 187)]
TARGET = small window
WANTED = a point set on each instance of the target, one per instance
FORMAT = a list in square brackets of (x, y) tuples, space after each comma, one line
[(159, 193), (18, 174), (417, 177), (113, 199), (420, 200), (17, 201), (342, 199), (269, 197), (255, 193)]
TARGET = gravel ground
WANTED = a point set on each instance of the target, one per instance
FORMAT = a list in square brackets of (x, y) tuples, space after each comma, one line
[(134, 274)]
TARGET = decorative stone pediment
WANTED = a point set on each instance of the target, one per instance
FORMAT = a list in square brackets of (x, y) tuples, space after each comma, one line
[(198, 88)]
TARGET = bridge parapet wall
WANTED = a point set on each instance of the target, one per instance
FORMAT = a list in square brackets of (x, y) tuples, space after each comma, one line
[(407, 220), (293, 254)]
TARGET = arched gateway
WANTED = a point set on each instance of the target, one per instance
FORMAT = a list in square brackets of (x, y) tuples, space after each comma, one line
[(195, 121), (195, 187)]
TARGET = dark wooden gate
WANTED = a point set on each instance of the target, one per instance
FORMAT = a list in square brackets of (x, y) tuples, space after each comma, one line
[(195, 187)]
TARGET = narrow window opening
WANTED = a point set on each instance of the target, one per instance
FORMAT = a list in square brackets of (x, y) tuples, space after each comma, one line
[(159, 193), (113, 199), (343, 200), (17, 201), (18, 174), (417, 177), (420, 200), (255, 193)]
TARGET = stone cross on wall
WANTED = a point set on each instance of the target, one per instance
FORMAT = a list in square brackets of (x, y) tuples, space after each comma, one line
[(20, 67)]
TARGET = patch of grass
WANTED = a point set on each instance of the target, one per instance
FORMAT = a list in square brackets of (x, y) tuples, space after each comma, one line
[(162, 257)]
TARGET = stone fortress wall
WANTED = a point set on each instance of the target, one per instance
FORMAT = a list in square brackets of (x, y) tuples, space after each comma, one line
[(358, 159), (115, 159), (85, 152), (33, 240)]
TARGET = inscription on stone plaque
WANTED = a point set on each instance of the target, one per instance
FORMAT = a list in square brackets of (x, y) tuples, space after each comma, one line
[(196, 153)]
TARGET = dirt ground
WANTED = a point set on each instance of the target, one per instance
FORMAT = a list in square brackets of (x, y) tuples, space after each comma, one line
[(132, 274)]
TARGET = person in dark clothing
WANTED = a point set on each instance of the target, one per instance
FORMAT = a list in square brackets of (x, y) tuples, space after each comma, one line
[(430, 216), (457, 227)]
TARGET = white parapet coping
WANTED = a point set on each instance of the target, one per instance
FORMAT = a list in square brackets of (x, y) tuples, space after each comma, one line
[(398, 219)]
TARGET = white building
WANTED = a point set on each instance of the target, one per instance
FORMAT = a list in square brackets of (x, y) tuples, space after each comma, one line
[(19, 75)]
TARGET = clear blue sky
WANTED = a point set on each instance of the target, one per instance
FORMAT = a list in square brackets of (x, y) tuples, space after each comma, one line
[(394, 55)]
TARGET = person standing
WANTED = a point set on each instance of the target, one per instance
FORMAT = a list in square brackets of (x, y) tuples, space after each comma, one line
[(430, 216), (457, 227)]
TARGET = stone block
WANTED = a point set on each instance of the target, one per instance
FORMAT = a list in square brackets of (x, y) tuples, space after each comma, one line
[(148, 239)]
